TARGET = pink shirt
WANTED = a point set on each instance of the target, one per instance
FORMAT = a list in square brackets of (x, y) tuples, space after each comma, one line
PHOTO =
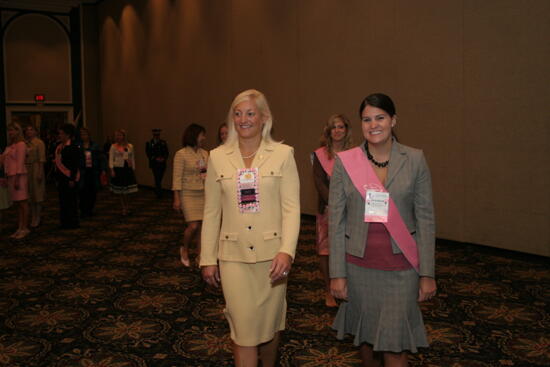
[(378, 251), (14, 159)]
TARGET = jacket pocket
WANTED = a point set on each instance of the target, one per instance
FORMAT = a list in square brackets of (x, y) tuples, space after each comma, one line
[(229, 236), (271, 173), (224, 176), (271, 235)]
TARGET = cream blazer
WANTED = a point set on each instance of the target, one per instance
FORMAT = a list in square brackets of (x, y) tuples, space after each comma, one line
[(230, 235), (186, 173)]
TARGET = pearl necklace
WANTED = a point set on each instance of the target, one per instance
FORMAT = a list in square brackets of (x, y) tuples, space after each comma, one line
[(251, 155), (375, 162)]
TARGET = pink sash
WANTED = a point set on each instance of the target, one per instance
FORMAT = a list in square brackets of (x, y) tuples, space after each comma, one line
[(362, 175), (61, 167), (326, 163)]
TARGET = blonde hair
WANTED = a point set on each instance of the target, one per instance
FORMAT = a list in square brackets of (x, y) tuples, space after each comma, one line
[(19, 137), (263, 107), (326, 137), (123, 132)]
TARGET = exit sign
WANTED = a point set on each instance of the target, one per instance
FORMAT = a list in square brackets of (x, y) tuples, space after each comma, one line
[(39, 98)]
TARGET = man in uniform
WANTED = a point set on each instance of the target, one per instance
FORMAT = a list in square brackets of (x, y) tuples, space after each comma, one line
[(157, 152)]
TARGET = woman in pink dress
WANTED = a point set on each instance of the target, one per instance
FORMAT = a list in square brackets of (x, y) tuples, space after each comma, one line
[(13, 160)]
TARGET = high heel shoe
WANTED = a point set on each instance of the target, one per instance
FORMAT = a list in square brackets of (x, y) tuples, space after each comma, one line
[(15, 234), (22, 234), (184, 257)]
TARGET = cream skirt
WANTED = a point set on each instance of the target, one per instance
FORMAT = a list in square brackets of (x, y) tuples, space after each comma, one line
[(255, 308)]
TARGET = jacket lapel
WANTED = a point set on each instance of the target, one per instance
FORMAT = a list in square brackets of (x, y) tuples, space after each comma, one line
[(264, 153), (234, 156), (397, 159)]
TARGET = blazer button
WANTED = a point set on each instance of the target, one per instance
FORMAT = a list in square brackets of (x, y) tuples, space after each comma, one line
[(226, 237), (271, 173), (221, 176), (251, 247), (249, 227), (275, 233)]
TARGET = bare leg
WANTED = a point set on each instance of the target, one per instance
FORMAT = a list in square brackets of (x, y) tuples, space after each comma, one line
[(367, 356), (245, 356), (23, 219), (198, 240), (323, 266), (268, 351), (124, 201), (188, 235), (123, 204), (396, 359)]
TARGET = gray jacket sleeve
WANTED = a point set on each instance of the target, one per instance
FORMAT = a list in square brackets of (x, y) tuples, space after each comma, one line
[(337, 222), (425, 221)]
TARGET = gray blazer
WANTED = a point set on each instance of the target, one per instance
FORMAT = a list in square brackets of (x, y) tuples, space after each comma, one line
[(410, 187)]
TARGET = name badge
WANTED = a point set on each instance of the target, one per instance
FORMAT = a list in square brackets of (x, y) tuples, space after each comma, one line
[(88, 156), (377, 204), (125, 156), (201, 165), (248, 190)]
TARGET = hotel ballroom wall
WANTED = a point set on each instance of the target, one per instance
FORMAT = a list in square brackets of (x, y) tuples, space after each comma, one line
[(470, 80)]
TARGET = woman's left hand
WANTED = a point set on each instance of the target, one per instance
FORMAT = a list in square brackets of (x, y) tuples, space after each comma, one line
[(426, 289), (280, 267)]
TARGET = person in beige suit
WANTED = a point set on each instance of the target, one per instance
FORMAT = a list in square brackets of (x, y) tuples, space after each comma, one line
[(250, 228), (188, 185)]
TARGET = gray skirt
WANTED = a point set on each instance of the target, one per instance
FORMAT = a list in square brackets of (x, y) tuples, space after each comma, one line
[(382, 310)]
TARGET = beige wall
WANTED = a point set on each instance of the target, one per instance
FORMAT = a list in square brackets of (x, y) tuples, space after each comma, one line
[(37, 60), (469, 79), (90, 71)]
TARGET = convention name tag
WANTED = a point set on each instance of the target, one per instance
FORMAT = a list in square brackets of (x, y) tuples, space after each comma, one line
[(201, 165), (248, 190), (377, 204), (88, 156)]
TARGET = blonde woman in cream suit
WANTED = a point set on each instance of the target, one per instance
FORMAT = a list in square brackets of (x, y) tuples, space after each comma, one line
[(249, 244)]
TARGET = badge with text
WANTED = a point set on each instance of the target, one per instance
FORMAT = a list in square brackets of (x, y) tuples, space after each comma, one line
[(248, 190), (377, 205), (88, 158)]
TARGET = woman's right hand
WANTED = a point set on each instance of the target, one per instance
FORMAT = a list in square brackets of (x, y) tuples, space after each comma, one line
[(211, 275), (339, 288)]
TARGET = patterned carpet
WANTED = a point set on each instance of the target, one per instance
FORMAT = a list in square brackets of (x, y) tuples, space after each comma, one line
[(113, 294)]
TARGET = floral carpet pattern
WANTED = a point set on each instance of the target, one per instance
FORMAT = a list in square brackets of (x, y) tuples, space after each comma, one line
[(113, 294)]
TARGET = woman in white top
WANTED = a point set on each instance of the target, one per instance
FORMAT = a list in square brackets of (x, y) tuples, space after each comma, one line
[(122, 164)]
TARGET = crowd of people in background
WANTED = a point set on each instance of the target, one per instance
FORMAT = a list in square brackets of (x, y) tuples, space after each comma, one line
[(240, 204), (72, 160)]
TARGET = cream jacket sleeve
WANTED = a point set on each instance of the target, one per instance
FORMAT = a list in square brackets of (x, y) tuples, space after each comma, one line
[(177, 171), (211, 218), (290, 203)]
